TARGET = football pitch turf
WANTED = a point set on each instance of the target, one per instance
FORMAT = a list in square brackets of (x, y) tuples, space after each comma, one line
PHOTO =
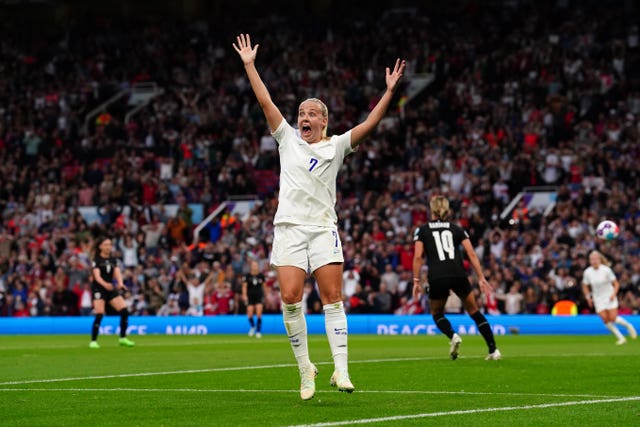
[(233, 380)]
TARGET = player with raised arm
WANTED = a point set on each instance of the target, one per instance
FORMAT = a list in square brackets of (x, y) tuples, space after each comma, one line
[(306, 237), (439, 241)]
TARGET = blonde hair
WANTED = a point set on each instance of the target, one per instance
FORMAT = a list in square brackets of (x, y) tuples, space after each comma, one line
[(603, 259), (323, 110), (439, 207)]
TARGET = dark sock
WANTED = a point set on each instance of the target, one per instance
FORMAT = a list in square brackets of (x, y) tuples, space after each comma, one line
[(251, 322), (259, 324), (96, 326), (485, 330), (443, 324), (124, 322)]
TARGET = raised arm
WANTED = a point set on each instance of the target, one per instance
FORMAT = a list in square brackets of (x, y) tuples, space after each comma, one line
[(392, 78), (248, 56), (209, 278)]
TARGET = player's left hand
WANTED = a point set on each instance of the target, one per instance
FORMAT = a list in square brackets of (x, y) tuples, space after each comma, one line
[(393, 77)]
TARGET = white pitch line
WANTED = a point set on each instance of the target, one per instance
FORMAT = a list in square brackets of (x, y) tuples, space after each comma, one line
[(240, 368), (204, 390), (198, 371), (468, 411), (147, 374), (247, 341), (151, 390)]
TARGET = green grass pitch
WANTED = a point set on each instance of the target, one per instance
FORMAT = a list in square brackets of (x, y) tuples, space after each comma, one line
[(232, 380)]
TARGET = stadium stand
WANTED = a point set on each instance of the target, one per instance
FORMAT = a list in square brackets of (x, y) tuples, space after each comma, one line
[(520, 94)]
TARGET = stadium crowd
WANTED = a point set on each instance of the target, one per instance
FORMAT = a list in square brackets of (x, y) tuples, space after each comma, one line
[(546, 93)]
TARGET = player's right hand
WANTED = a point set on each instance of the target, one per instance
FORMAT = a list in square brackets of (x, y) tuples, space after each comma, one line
[(244, 49)]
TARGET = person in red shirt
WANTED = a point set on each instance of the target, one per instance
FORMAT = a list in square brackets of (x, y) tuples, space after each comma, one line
[(223, 298)]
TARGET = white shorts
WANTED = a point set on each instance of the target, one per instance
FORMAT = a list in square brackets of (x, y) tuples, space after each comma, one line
[(601, 303), (308, 247)]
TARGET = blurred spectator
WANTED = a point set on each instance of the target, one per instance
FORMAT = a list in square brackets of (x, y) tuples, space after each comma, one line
[(86, 300), (272, 301), (409, 306), (350, 280), (382, 300), (154, 295), (176, 231), (498, 117), (453, 304), (64, 302), (513, 300), (390, 279), (359, 301), (170, 308)]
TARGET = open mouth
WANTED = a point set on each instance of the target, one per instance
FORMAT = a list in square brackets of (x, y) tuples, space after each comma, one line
[(305, 129)]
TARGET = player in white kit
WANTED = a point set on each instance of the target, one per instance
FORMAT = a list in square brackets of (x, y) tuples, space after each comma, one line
[(600, 287), (306, 237)]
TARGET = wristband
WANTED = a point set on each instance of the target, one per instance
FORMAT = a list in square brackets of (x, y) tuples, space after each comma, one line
[(415, 279)]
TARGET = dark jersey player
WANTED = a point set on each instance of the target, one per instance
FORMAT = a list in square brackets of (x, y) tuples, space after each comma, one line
[(105, 271), (439, 241), (253, 296)]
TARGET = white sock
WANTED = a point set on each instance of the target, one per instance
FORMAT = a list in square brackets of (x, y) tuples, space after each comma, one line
[(614, 330), (622, 321), (296, 326), (335, 323)]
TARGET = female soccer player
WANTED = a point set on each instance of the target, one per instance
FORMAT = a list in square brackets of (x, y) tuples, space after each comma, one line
[(105, 269), (253, 297), (440, 240), (305, 234), (604, 295)]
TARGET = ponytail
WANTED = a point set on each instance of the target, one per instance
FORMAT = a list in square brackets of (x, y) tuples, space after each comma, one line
[(439, 207)]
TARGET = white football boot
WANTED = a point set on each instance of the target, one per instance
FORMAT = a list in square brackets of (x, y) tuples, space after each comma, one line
[(455, 345), (496, 355), (340, 379), (308, 381)]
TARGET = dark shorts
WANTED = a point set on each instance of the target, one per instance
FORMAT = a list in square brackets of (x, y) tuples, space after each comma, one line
[(439, 288), (254, 298), (98, 292)]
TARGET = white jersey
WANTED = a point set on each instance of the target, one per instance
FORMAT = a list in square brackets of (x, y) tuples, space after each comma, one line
[(601, 282), (308, 175)]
